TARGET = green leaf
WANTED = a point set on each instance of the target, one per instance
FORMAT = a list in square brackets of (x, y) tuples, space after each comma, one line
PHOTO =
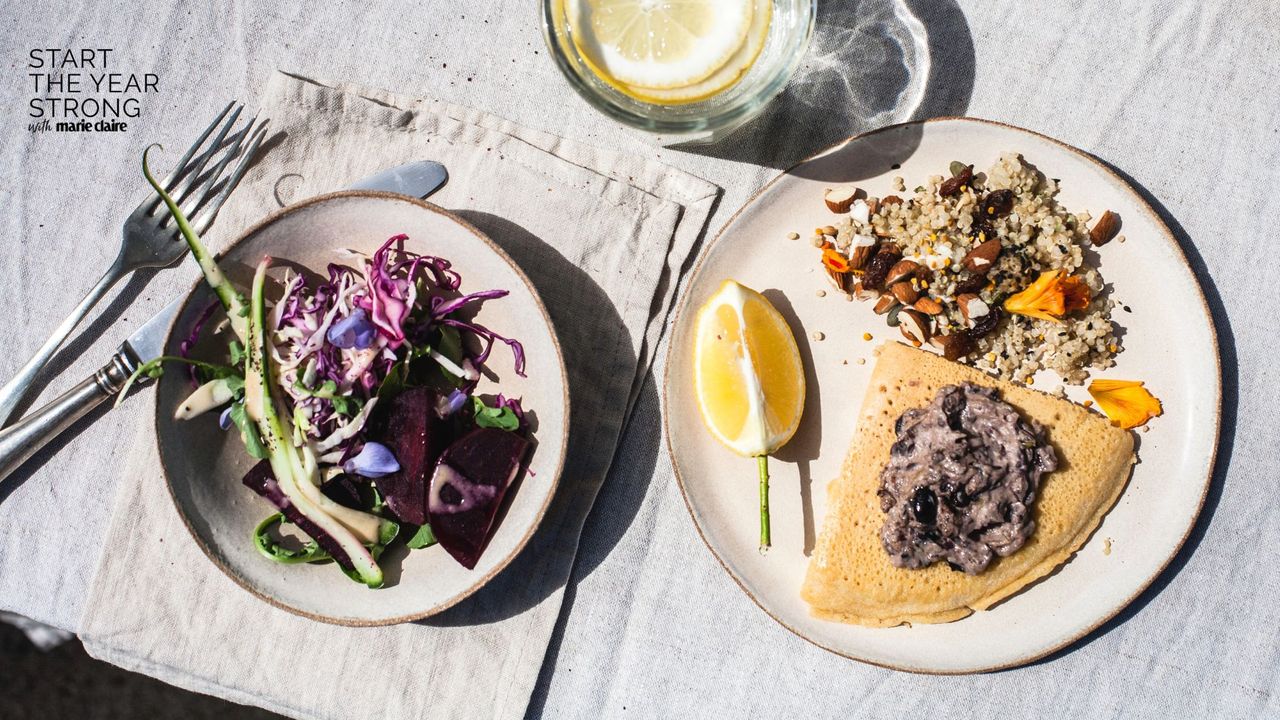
[(503, 418), (345, 405), (450, 344), (235, 384), (401, 376), (152, 369), (328, 390), (395, 382), (268, 546), (237, 352), (422, 538), (248, 432)]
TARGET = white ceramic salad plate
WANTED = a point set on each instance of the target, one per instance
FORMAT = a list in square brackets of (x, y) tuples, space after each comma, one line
[(204, 465), (1137, 539)]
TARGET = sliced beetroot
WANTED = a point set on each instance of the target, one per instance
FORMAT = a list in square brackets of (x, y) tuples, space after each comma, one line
[(261, 480), (344, 490), (467, 488), (409, 427)]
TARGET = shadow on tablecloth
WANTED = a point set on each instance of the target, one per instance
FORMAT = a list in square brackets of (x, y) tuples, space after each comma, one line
[(870, 63)]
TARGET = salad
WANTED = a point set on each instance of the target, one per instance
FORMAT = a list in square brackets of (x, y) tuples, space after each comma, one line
[(356, 392)]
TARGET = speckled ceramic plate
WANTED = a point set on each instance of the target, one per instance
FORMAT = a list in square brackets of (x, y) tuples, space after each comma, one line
[(204, 465), (1149, 523)]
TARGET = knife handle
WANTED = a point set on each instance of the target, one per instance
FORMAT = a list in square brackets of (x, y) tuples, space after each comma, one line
[(22, 439)]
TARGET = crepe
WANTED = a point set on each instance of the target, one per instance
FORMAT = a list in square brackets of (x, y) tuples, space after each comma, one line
[(850, 578)]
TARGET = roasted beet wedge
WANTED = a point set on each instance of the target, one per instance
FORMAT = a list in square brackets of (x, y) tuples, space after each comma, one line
[(344, 490), (261, 480), (408, 426), (470, 480)]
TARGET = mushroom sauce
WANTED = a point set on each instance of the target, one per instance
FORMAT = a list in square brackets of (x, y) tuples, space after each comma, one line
[(960, 481)]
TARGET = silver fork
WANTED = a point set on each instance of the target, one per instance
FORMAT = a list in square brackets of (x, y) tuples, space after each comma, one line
[(151, 239)]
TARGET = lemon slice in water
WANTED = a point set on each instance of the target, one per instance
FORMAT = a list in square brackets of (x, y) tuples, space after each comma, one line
[(728, 74), (659, 44)]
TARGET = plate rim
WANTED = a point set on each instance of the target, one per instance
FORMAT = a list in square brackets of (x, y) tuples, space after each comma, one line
[(519, 547), (682, 308)]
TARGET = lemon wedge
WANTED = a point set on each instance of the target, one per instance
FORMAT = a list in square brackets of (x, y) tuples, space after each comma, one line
[(748, 378), (659, 44)]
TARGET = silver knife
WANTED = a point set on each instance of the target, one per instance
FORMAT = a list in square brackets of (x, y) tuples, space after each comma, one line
[(20, 441)]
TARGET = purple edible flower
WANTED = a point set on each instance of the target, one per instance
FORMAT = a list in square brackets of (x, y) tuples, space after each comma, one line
[(352, 331), (451, 403), (373, 461)]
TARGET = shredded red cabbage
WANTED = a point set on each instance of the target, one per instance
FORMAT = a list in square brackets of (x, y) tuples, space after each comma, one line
[(184, 347), (332, 362)]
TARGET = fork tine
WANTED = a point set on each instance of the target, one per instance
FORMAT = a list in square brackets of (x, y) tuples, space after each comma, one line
[(211, 210), (201, 194), (183, 191), (182, 163)]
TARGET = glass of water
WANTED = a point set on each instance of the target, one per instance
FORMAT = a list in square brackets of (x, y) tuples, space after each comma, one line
[(637, 62)]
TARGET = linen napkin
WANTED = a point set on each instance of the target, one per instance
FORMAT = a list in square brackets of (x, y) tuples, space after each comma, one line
[(601, 235)]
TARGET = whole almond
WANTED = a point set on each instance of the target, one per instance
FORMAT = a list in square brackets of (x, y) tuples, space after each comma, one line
[(840, 199), (904, 292), (838, 280), (928, 306), (902, 270), (982, 258), (972, 308), (885, 304), (1105, 229), (891, 200), (864, 246), (914, 325), (861, 292)]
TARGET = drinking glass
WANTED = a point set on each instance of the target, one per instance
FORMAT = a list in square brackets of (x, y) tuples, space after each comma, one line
[(790, 26)]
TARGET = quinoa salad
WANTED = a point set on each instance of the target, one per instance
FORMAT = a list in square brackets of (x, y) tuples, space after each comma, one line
[(986, 266)]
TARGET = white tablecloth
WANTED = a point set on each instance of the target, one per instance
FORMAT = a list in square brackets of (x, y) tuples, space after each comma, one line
[(1181, 97)]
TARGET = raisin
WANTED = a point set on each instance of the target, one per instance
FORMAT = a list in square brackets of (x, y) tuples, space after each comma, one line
[(958, 180), (997, 203), (879, 266), (986, 323), (970, 283)]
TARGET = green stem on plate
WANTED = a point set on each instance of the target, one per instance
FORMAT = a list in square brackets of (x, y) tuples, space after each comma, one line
[(763, 463)]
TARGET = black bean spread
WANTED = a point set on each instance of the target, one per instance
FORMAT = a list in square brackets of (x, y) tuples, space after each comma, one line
[(961, 479)]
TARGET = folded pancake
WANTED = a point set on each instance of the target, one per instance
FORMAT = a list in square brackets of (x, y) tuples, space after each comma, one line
[(850, 577)]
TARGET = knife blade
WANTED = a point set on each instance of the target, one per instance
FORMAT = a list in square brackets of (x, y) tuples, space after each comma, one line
[(22, 439), (416, 179)]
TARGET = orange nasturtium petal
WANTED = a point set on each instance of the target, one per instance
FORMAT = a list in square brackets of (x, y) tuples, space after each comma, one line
[(1075, 293), (1125, 402), (1041, 299), (835, 261)]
